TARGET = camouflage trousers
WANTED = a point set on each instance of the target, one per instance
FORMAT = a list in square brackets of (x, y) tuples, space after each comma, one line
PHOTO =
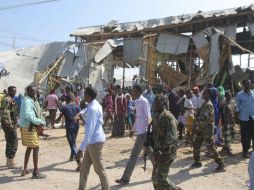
[(205, 135), (160, 176), (11, 141)]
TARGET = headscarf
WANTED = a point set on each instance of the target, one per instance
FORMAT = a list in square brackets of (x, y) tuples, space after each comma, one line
[(221, 93)]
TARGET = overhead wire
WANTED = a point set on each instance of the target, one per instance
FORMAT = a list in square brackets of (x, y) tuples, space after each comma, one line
[(26, 4), (20, 39), (26, 39), (18, 35), (7, 45)]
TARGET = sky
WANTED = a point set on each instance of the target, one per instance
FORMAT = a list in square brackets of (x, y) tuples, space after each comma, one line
[(23, 26)]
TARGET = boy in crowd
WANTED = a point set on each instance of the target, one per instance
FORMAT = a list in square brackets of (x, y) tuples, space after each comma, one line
[(69, 111), (228, 108)]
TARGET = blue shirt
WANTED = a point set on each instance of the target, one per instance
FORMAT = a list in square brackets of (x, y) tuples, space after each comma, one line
[(131, 106), (93, 125), (149, 96), (18, 101), (27, 113), (70, 111), (245, 105), (15, 98)]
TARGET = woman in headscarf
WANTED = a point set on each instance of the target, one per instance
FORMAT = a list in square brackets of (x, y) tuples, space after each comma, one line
[(221, 94), (215, 101)]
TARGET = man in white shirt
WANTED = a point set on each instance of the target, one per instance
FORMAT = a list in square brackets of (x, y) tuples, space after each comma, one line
[(196, 98), (143, 118), (93, 141)]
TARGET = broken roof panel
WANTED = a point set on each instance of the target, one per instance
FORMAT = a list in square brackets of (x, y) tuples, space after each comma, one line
[(132, 49), (214, 56), (88, 30), (199, 39), (153, 23), (172, 44), (107, 48)]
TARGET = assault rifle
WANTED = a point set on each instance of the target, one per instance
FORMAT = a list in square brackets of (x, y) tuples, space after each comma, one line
[(148, 144)]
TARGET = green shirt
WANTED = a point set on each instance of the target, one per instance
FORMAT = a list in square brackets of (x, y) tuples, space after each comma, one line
[(9, 111), (164, 130), (206, 115)]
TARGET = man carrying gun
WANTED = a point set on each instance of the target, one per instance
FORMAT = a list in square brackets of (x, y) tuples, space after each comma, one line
[(164, 140), (143, 118)]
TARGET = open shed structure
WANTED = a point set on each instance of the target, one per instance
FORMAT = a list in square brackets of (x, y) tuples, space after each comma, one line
[(178, 50)]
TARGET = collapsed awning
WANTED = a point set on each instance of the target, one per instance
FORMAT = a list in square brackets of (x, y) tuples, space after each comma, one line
[(107, 48)]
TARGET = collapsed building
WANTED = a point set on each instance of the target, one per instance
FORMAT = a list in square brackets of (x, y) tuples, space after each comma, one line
[(185, 50), (190, 49)]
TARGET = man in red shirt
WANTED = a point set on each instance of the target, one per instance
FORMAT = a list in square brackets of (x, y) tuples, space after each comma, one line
[(52, 105)]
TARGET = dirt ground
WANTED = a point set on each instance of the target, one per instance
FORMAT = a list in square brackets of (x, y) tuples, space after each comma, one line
[(61, 174)]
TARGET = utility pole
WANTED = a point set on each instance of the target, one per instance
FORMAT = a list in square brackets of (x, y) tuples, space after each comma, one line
[(13, 43), (124, 65)]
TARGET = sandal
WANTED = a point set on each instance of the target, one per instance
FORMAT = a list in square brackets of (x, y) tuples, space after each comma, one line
[(24, 173), (38, 175)]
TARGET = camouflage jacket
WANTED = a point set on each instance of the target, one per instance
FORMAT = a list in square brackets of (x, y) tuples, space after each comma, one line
[(206, 116), (9, 110), (164, 130)]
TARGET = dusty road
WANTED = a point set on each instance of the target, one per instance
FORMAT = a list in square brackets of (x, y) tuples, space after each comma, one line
[(53, 161)]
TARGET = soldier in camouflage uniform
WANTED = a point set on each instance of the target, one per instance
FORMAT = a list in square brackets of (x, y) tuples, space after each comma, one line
[(204, 132), (164, 145), (9, 120)]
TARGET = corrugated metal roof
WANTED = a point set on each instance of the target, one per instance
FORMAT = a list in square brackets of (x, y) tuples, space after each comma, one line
[(153, 23), (22, 64)]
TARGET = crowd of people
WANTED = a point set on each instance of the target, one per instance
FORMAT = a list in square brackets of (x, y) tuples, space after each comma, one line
[(161, 118)]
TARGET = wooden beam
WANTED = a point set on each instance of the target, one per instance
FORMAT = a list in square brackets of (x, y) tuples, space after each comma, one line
[(151, 59), (58, 61), (237, 45)]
